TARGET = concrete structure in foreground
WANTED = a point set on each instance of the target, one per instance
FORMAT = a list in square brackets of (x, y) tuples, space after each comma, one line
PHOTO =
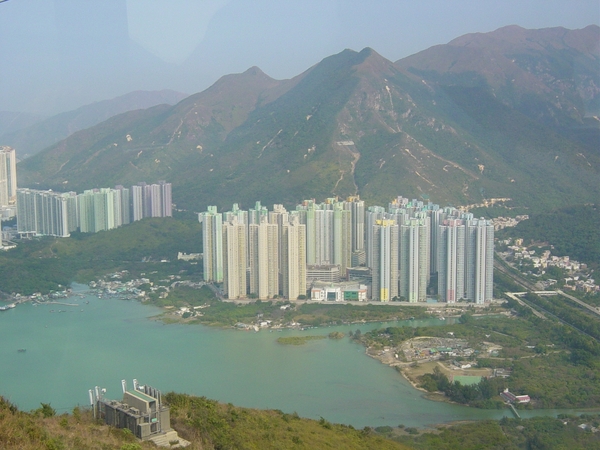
[(141, 411)]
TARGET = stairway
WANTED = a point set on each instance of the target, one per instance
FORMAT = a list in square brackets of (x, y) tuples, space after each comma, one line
[(165, 439)]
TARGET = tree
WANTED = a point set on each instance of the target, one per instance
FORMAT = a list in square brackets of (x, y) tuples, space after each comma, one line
[(466, 318), (46, 410)]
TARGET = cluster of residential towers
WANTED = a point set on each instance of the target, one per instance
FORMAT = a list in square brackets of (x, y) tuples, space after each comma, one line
[(52, 213), (406, 249)]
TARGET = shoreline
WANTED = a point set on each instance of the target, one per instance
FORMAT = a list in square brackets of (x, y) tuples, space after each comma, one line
[(352, 324), (168, 316)]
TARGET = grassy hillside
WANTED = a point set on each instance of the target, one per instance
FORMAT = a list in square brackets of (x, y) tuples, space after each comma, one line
[(219, 426), (209, 425), (43, 429)]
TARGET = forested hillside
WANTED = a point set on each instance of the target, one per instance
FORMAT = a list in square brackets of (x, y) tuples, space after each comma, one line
[(572, 230)]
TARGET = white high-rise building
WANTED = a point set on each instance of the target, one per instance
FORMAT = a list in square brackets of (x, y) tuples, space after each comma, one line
[(166, 199), (156, 206), (479, 260), (451, 260), (125, 202), (318, 219), (242, 217), (151, 200), (85, 205), (384, 238), (293, 265), (280, 217), (374, 213), (268, 259), (307, 214), (256, 214), (137, 203), (44, 213), (234, 259), (414, 259), (99, 209), (212, 244), (342, 237), (264, 259), (357, 210)]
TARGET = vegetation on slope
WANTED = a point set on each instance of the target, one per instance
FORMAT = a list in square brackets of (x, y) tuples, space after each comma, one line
[(211, 425), (218, 426), (43, 429), (511, 434), (357, 123), (50, 264), (572, 230), (552, 363)]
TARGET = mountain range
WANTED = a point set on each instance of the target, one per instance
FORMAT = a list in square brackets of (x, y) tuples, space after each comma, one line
[(31, 136), (506, 114)]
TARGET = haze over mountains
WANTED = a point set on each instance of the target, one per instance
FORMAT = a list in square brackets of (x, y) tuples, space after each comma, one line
[(504, 114), (31, 135)]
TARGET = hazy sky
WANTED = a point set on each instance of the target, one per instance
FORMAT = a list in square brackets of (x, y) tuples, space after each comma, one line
[(60, 54)]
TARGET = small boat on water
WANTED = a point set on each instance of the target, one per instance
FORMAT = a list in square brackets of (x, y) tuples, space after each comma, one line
[(22, 350), (7, 307)]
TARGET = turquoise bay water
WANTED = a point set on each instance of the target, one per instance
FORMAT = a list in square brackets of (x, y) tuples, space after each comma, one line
[(107, 340)]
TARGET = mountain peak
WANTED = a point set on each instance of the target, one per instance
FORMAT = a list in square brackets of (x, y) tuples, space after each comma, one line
[(372, 61), (367, 51), (458, 122), (514, 37), (256, 72)]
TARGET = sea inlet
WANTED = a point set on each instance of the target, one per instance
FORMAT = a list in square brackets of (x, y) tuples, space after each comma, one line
[(99, 342)]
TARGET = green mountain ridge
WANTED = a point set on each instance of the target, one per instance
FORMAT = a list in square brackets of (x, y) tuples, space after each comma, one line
[(356, 123)]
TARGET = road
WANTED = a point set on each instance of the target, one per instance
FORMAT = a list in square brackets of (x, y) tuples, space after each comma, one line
[(579, 302), (516, 278), (514, 296), (530, 287)]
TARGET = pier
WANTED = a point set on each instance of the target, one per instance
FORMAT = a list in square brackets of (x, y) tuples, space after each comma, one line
[(58, 303), (514, 410)]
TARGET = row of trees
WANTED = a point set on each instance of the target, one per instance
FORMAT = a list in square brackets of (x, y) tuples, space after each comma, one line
[(572, 315), (481, 394)]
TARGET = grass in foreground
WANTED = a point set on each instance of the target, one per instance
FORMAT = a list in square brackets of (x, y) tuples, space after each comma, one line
[(211, 425), (218, 426), (208, 424), (42, 429)]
